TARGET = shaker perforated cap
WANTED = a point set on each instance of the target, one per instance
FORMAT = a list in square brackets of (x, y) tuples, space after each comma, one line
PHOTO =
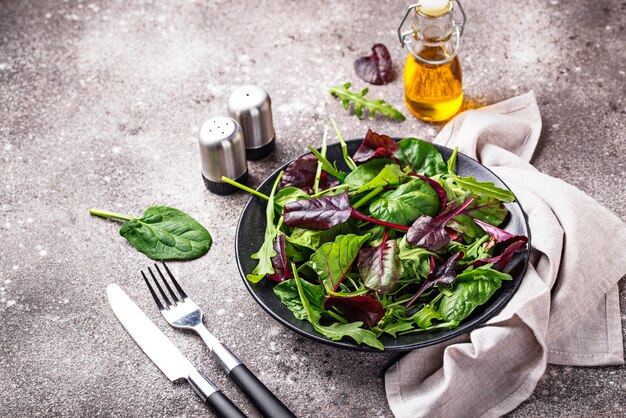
[(222, 153), (251, 107), (434, 8)]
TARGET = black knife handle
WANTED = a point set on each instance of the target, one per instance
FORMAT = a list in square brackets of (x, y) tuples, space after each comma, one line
[(216, 400), (265, 401)]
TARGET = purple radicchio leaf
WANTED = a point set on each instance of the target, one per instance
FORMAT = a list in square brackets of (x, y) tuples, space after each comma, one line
[(357, 308), (512, 244), (375, 146), (282, 270), (375, 68), (441, 193), (443, 274), (430, 233), (319, 213), (301, 174), (380, 267)]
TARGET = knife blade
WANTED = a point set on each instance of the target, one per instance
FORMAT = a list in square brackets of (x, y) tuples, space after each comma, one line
[(164, 353)]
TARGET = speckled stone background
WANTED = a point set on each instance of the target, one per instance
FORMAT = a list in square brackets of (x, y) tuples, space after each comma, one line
[(99, 105)]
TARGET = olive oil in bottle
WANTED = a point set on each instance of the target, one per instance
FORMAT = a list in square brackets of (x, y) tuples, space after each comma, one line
[(432, 73)]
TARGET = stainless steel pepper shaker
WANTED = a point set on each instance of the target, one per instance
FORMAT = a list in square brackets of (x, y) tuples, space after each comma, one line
[(222, 153), (251, 107)]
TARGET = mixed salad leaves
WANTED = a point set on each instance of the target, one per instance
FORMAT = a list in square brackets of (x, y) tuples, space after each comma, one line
[(398, 244)]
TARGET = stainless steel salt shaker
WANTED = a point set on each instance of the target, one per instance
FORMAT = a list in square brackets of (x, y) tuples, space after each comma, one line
[(251, 107), (222, 153)]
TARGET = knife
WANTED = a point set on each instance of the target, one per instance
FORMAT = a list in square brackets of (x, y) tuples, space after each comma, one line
[(165, 354)]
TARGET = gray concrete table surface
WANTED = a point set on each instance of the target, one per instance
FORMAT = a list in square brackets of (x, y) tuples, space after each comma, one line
[(99, 107)]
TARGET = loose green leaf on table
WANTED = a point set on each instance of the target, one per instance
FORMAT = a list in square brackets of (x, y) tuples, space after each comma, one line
[(359, 100), (163, 233)]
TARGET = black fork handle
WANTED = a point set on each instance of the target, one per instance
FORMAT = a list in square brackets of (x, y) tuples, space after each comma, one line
[(265, 401), (221, 406)]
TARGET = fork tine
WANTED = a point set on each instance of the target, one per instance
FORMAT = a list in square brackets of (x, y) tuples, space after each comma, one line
[(167, 301), (180, 289), (154, 295), (174, 296)]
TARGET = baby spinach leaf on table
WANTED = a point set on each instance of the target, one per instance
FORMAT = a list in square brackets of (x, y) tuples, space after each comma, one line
[(333, 260), (375, 146), (287, 292), (486, 188), (467, 296), (430, 232), (163, 233), (335, 331), (266, 252), (421, 157), (380, 267), (443, 274), (359, 100), (280, 263), (365, 309), (406, 203)]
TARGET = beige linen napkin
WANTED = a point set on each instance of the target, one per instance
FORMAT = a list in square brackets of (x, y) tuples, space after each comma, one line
[(566, 310)]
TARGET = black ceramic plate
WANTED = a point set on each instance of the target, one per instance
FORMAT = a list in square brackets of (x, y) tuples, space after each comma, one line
[(249, 239)]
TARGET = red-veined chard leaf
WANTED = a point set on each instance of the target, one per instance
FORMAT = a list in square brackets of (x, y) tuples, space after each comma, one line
[(511, 243), (280, 261), (380, 267), (430, 233), (406, 203), (333, 260), (266, 252), (325, 212), (375, 146), (375, 68), (301, 174), (443, 274), (484, 208), (335, 331), (357, 308), (421, 157)]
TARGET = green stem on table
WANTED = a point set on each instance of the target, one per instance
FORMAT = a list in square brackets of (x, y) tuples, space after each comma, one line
[(244, 188), (344, 147), (112, 215), (318, 172), (368, 197)]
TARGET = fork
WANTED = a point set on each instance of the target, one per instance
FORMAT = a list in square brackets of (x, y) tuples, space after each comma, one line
[(182, 312)]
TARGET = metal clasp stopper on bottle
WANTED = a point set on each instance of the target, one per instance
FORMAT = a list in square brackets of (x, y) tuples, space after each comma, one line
[(433, 88)]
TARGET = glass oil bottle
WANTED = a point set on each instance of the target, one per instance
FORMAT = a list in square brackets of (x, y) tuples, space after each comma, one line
[(433, 88)]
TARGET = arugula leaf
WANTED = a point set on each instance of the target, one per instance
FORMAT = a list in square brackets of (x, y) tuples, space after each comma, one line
[(380, 267), (443, 274), (486, 188), (393, 328), (425, 316), (405, 204), (318, 171), (421, 157), (451, 165), (467, 296), (287, 292), (333, 260), (163, 233), (484, 272), (336, 331), (359, 100), (344, 148), (266, 252), (327, 165)]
